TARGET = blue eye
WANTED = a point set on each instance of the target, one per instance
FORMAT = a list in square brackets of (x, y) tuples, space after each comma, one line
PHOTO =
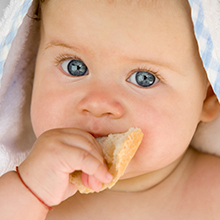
[(143, 79), (74, 67)]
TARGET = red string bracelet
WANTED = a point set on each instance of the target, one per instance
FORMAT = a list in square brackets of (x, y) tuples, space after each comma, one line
[(19, 175)]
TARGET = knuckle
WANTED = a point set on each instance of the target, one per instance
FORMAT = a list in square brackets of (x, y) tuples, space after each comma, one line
[(84, 155), (87, 145), (89, 163), (99, 168)]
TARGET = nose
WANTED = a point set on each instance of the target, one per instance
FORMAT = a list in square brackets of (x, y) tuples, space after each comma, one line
[(100, 103)]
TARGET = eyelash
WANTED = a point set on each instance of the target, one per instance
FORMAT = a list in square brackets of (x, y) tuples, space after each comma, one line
[(149, 69), (65, 57)]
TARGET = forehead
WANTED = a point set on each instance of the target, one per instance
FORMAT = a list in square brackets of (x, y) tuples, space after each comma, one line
[(156, 4), (144, 27), (139, 2), (133, 15)]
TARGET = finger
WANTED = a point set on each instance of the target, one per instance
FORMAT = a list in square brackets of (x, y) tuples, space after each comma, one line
[(94, 183), (91, 182), (90, 145), (79, 159), (84, 134), (85, 179)]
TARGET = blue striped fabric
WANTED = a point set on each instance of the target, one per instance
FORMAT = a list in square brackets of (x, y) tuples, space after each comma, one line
[(206, 49)]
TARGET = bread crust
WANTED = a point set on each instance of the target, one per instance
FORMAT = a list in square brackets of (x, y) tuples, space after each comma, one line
[(117, 156)]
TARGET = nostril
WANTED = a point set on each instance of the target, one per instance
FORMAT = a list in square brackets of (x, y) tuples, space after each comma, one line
[(99, 114), (100, 105)]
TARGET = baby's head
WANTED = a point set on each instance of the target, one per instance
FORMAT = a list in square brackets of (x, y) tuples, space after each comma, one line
[(106, 66)]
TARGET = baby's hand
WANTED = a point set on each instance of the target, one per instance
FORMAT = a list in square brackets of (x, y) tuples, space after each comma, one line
[(55, 154)]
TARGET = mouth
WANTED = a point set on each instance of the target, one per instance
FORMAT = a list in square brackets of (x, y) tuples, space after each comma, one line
[(99, 135), (104, 131), (104, 134)]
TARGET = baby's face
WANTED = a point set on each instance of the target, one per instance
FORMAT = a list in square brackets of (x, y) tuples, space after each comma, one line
[(106, 66)]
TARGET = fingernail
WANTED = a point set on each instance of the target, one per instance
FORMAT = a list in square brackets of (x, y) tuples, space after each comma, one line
[(109, 177)]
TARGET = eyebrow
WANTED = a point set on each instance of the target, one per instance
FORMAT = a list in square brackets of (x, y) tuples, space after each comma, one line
[(58, 44)]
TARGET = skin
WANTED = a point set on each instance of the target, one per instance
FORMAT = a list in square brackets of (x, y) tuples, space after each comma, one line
[(116, 39), (164, 109)]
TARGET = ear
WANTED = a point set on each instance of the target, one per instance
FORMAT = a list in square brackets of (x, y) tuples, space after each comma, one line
[(211, 106)]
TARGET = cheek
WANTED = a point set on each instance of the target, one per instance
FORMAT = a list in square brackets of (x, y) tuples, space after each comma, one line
[(48, 110), (168, 130), (41, 115)]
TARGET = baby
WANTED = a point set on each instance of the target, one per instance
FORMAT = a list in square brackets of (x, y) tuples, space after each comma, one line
[(103, 67)]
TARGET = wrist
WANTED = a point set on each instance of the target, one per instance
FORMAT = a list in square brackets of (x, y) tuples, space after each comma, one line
[(16, 200), (31, 191)]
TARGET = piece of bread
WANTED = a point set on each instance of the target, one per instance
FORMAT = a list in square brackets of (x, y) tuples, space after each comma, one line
[(118, 150)]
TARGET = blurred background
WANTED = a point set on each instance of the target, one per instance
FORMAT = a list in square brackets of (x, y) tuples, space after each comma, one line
[(3, 5)]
